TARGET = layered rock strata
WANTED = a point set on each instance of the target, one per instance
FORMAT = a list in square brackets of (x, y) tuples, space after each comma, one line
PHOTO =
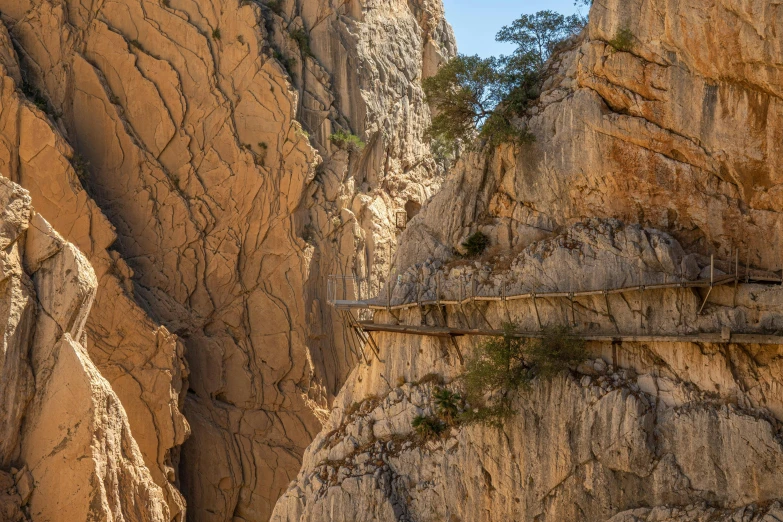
[(67, 439)]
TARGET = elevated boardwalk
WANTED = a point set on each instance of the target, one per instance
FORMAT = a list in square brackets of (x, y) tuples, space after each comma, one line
[(437, 331), (362, 329)]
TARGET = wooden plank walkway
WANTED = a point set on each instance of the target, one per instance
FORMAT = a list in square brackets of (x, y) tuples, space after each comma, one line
[(437, 331), (374, 304)]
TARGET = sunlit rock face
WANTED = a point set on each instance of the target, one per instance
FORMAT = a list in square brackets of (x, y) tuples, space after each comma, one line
[(681, 133), (185, 148), (639, 431), (646, 162), (66, 437)]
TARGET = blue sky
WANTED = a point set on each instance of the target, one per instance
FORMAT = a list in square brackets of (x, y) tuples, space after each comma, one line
[(476, 22)]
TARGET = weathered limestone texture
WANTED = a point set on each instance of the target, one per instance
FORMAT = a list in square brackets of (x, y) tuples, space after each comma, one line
[(655, 430), (682, 133), (142, 361), (645, 163), (70, 443), (361, 73), (197, 130)]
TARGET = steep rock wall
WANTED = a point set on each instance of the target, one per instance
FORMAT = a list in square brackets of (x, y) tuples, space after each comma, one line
[(143, 362), (681, 132), (673, 430), (182, 117), (65, 420), (677, 138)]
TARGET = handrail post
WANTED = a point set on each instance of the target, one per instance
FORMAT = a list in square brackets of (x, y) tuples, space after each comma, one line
[(573, 312), (437, 288), (736, 276)]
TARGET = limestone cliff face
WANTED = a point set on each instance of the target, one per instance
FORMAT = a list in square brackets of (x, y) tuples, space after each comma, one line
[(645, 163), (643, 431), (682, 133), (206, 210), (141, 360), (65, 431)]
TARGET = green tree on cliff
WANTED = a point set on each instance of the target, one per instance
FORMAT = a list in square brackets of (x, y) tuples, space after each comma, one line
[(484, 96)]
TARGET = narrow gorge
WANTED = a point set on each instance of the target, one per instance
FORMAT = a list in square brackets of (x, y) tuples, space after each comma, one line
[(200, 199)]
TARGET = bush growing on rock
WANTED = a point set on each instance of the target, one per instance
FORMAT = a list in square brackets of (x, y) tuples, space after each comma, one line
[(449, 405), (501, 366), (347, 140), (623, 40), (428, 427), (556, 351), (476, 244), (302, 40)]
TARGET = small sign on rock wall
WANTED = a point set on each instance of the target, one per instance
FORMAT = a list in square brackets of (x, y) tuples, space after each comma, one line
[(402, 219)]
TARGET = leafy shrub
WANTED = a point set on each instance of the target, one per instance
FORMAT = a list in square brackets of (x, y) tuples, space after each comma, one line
[(276, 6), (428, 427), (347, 140), (448, 405), (136, 44), (503, 365), (302, 39), (216, 34), (556, 351), (623, 40), (496, 366), (476, 244)]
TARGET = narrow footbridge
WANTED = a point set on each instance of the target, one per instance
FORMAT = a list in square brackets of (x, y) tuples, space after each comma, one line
[(362, 327)]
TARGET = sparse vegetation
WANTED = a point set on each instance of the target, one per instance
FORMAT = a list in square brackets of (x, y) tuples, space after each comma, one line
[(136, 44), (347, 140), (445, 152), (308, 233), (165, 3), (487, 96), (287, 63), (501, 366), (261, 156), (623, 40), (429, 427), (38, 99), (276, 6), (475, 244), (302, 40), (448, 404), (240, 39), (80, 166), (216, 34)]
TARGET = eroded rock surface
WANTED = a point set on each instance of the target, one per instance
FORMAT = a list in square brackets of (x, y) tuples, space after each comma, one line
[(143, 362), (183, 121), (646, 162), (69, 438), (679, 133), (692, 429)]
